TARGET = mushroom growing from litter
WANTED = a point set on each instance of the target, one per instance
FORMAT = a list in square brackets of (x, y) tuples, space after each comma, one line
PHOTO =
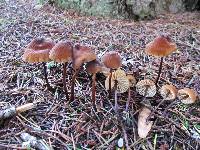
[(38, 51), (146, 88), (119, 82), (93, 67), (81, 54), (144, 126), (111, 60), (161, 46), (62, 53), (187, 96)]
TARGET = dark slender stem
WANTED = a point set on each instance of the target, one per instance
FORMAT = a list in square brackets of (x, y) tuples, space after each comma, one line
[(94, 91), (45, 76), (116, 103), (129, 99), (64, 81), (161, 102), (159, 72), (72, 85), (110, 77)]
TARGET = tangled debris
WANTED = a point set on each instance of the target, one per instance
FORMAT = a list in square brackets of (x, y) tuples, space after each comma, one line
[(67, 126)]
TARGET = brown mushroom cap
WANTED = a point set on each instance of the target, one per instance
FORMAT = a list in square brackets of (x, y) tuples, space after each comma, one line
[(146, 85), (61, 52), (34, 56), (112, 60), (187, 95), (82, 54), (93, 67), (143, 126), (160, 46), (168, 92), (38, 51), (40, 44), (122, 81)]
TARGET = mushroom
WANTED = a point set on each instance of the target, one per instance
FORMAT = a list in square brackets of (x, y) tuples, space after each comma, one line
[(187, 96), (38, 51), (146, 88), (161, 46), (93, 67), (111, 60), (80, 55), (62, 53), (144, 126), (119, 82)]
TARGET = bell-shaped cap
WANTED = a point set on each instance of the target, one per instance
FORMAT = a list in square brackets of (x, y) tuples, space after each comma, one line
[(161, 46), (112, 60), (82, 54), (61, 52), (38, 50)]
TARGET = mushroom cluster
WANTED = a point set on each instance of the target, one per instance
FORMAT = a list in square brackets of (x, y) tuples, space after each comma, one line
[(118, 81)]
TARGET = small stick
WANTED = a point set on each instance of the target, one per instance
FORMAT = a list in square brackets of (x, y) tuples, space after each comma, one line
[(12, 111)]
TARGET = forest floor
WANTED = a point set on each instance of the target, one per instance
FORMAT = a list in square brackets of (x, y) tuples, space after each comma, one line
[(67, 126)]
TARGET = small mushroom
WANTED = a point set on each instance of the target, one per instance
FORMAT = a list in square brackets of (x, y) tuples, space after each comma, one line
[(161, 46), (111, 60), (187, 96), (144, 126), (38, 51), (119, 81), (93, 67), (146, 88), (62, 53), (122, 81), (168, 92), (81, 54)]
